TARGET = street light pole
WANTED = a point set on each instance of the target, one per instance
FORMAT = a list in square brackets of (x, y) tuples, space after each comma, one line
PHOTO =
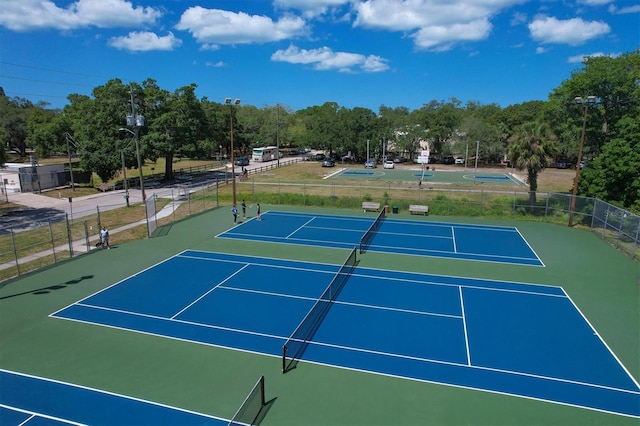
[(233, 159), (590, 100), (135, 135), (136, 121)]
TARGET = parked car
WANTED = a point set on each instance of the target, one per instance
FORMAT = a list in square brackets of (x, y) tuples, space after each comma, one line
[(583, 164), (460, 160), (388, 165), (562, 164), (318, 157), (328, 162), (242, 161), (448, 159), (399, 160), (370, 164)]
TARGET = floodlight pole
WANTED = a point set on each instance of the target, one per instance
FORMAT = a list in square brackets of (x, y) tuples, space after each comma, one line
[(590, 100), (233, 158)]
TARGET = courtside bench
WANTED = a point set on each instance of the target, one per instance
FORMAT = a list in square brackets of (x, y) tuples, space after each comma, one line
[(415, 208), (368, 205)]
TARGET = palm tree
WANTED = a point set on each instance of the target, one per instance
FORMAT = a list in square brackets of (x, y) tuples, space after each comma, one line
[(533, 147)]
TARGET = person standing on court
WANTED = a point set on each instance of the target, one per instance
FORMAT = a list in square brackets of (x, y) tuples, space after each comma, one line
[(104, 237), (234, 212), (244, 209), (258, 211)]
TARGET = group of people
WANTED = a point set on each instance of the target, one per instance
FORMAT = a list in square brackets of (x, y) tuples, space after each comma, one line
[(104, 232), (234, 211)]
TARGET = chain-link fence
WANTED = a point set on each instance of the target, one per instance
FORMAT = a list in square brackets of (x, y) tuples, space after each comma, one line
[(24, 251)]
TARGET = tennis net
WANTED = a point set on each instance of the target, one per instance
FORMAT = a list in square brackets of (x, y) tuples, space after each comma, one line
[(368, 236), (249, 411), (296, 344)]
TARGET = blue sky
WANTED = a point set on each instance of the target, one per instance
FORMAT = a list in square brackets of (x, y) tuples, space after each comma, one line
[(302, 53)]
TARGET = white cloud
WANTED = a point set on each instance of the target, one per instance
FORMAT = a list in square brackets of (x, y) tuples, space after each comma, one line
[(325, 59), (441, 38), (25, 15), (595, 2), (144, 41), (574, 31), (311, 8), (518, 19), (211, 26), (218, 64), (583, 57), (624, 10), (208, 46), (433, 24)]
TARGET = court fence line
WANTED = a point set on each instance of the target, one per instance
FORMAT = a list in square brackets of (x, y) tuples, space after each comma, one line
[(49, 242)]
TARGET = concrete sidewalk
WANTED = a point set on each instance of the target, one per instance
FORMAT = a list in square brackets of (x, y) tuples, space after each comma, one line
[(80, 246)]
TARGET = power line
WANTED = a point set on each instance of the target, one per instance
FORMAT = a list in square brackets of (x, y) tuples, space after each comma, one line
[(52, 70), (12, 93), (46, 81)]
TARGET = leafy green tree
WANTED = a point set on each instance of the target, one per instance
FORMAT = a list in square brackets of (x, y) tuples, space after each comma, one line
[(613, 81), (475, 129), (532, 150), (14, 114), (216, 128), (610, 141), (322, 125), (176, 125), (613, 175), (45, 132), (440, 120), (389, 122), (356, 127), (95, 124)]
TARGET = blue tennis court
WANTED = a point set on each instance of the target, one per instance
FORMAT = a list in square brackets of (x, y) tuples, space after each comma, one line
[(512, 338), (33, 401), (421, 238)]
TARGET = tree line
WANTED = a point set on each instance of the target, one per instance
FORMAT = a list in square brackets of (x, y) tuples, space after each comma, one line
[(532, 135)]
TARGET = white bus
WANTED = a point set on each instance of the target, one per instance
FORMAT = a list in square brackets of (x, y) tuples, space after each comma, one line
[(265, 153)]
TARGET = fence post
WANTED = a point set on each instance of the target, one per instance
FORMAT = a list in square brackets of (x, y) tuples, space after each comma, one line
[(635, 243), (546, 207), (15, 252), (86, 236), (69, 235), (53, 244)]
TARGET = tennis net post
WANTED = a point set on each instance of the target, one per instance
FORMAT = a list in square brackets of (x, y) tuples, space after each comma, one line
[(249, 411), (296, 343), (368, 236)]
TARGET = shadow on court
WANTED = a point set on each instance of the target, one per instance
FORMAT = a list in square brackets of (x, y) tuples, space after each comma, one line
[(49, 289)]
